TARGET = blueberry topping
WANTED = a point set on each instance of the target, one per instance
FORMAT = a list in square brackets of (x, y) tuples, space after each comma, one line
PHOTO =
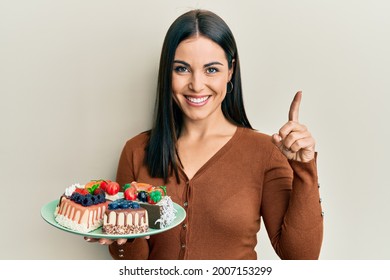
[(113, 206), (142, 196), (74, 196), (87, 201), (135, 205), (79, 199), (100, 198), (125, 205)]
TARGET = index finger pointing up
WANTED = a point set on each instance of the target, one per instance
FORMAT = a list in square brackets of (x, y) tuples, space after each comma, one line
[(294, 107)]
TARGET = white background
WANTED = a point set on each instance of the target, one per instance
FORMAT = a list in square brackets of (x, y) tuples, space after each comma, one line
[(78, 78)]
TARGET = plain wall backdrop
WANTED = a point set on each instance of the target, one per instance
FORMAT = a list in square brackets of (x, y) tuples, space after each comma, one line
[(78, 78)]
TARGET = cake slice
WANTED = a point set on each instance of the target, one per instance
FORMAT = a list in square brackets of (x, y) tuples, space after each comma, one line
[(161, 212), (125, 217), (80, 210)]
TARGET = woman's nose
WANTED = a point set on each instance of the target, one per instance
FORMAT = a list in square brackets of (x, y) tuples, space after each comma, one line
[(196, 83)]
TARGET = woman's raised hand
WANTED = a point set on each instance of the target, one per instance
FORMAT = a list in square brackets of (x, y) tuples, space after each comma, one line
[(293, 139)]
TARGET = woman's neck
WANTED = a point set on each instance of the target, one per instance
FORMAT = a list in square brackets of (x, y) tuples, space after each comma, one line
[(201, 129)]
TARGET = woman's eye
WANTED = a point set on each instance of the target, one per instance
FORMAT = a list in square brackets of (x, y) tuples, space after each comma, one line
[(211, 70), (181, 69)]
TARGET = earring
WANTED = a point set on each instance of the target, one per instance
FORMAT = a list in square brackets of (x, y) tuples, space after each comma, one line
[(231, 87)]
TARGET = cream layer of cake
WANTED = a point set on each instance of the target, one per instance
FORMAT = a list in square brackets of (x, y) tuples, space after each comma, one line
[(79, 218), (125, 221)]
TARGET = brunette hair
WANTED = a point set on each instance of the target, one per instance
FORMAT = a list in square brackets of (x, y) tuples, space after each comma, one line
[(161, 157)]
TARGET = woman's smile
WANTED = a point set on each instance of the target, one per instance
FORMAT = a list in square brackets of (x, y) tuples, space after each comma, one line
[(197, 100)]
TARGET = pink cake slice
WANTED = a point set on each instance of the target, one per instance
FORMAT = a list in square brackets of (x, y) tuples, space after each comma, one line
[(125, 221), (79, 218)]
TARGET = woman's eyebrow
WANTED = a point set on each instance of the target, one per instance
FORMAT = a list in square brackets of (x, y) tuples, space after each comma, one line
[(212, 63), (182, 62), (205, 66)]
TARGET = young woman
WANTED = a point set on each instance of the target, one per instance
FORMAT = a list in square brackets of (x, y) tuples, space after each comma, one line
[(225, 174)]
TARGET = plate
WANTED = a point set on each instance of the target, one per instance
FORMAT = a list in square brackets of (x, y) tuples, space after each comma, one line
[(47, 213)]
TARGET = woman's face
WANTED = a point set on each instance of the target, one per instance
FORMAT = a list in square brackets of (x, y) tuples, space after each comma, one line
[(199, 79)]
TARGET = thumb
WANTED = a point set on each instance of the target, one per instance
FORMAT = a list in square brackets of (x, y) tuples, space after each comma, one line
[(277, 140)]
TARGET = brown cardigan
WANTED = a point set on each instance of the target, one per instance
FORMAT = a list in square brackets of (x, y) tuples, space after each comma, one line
[(246, 180)]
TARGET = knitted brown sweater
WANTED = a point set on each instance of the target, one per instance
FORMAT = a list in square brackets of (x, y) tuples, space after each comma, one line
[(246, 180)]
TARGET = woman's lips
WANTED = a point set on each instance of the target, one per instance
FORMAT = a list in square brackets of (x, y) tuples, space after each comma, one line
[(197, 101)]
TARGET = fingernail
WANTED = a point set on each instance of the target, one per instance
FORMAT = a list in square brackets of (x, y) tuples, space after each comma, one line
[(87, 239)]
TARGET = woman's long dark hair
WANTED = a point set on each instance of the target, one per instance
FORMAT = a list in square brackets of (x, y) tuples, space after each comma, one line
[(161, 157)]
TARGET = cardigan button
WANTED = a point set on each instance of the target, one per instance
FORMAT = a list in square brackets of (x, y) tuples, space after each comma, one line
[(183, 245), (185, 204)]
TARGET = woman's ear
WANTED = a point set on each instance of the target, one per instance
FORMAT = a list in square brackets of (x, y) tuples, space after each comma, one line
[(231, 69)]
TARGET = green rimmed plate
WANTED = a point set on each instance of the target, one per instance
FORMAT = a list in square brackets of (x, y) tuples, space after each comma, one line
[(47, 213)]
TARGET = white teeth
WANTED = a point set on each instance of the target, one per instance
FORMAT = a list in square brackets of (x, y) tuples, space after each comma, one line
[(197, 100)]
